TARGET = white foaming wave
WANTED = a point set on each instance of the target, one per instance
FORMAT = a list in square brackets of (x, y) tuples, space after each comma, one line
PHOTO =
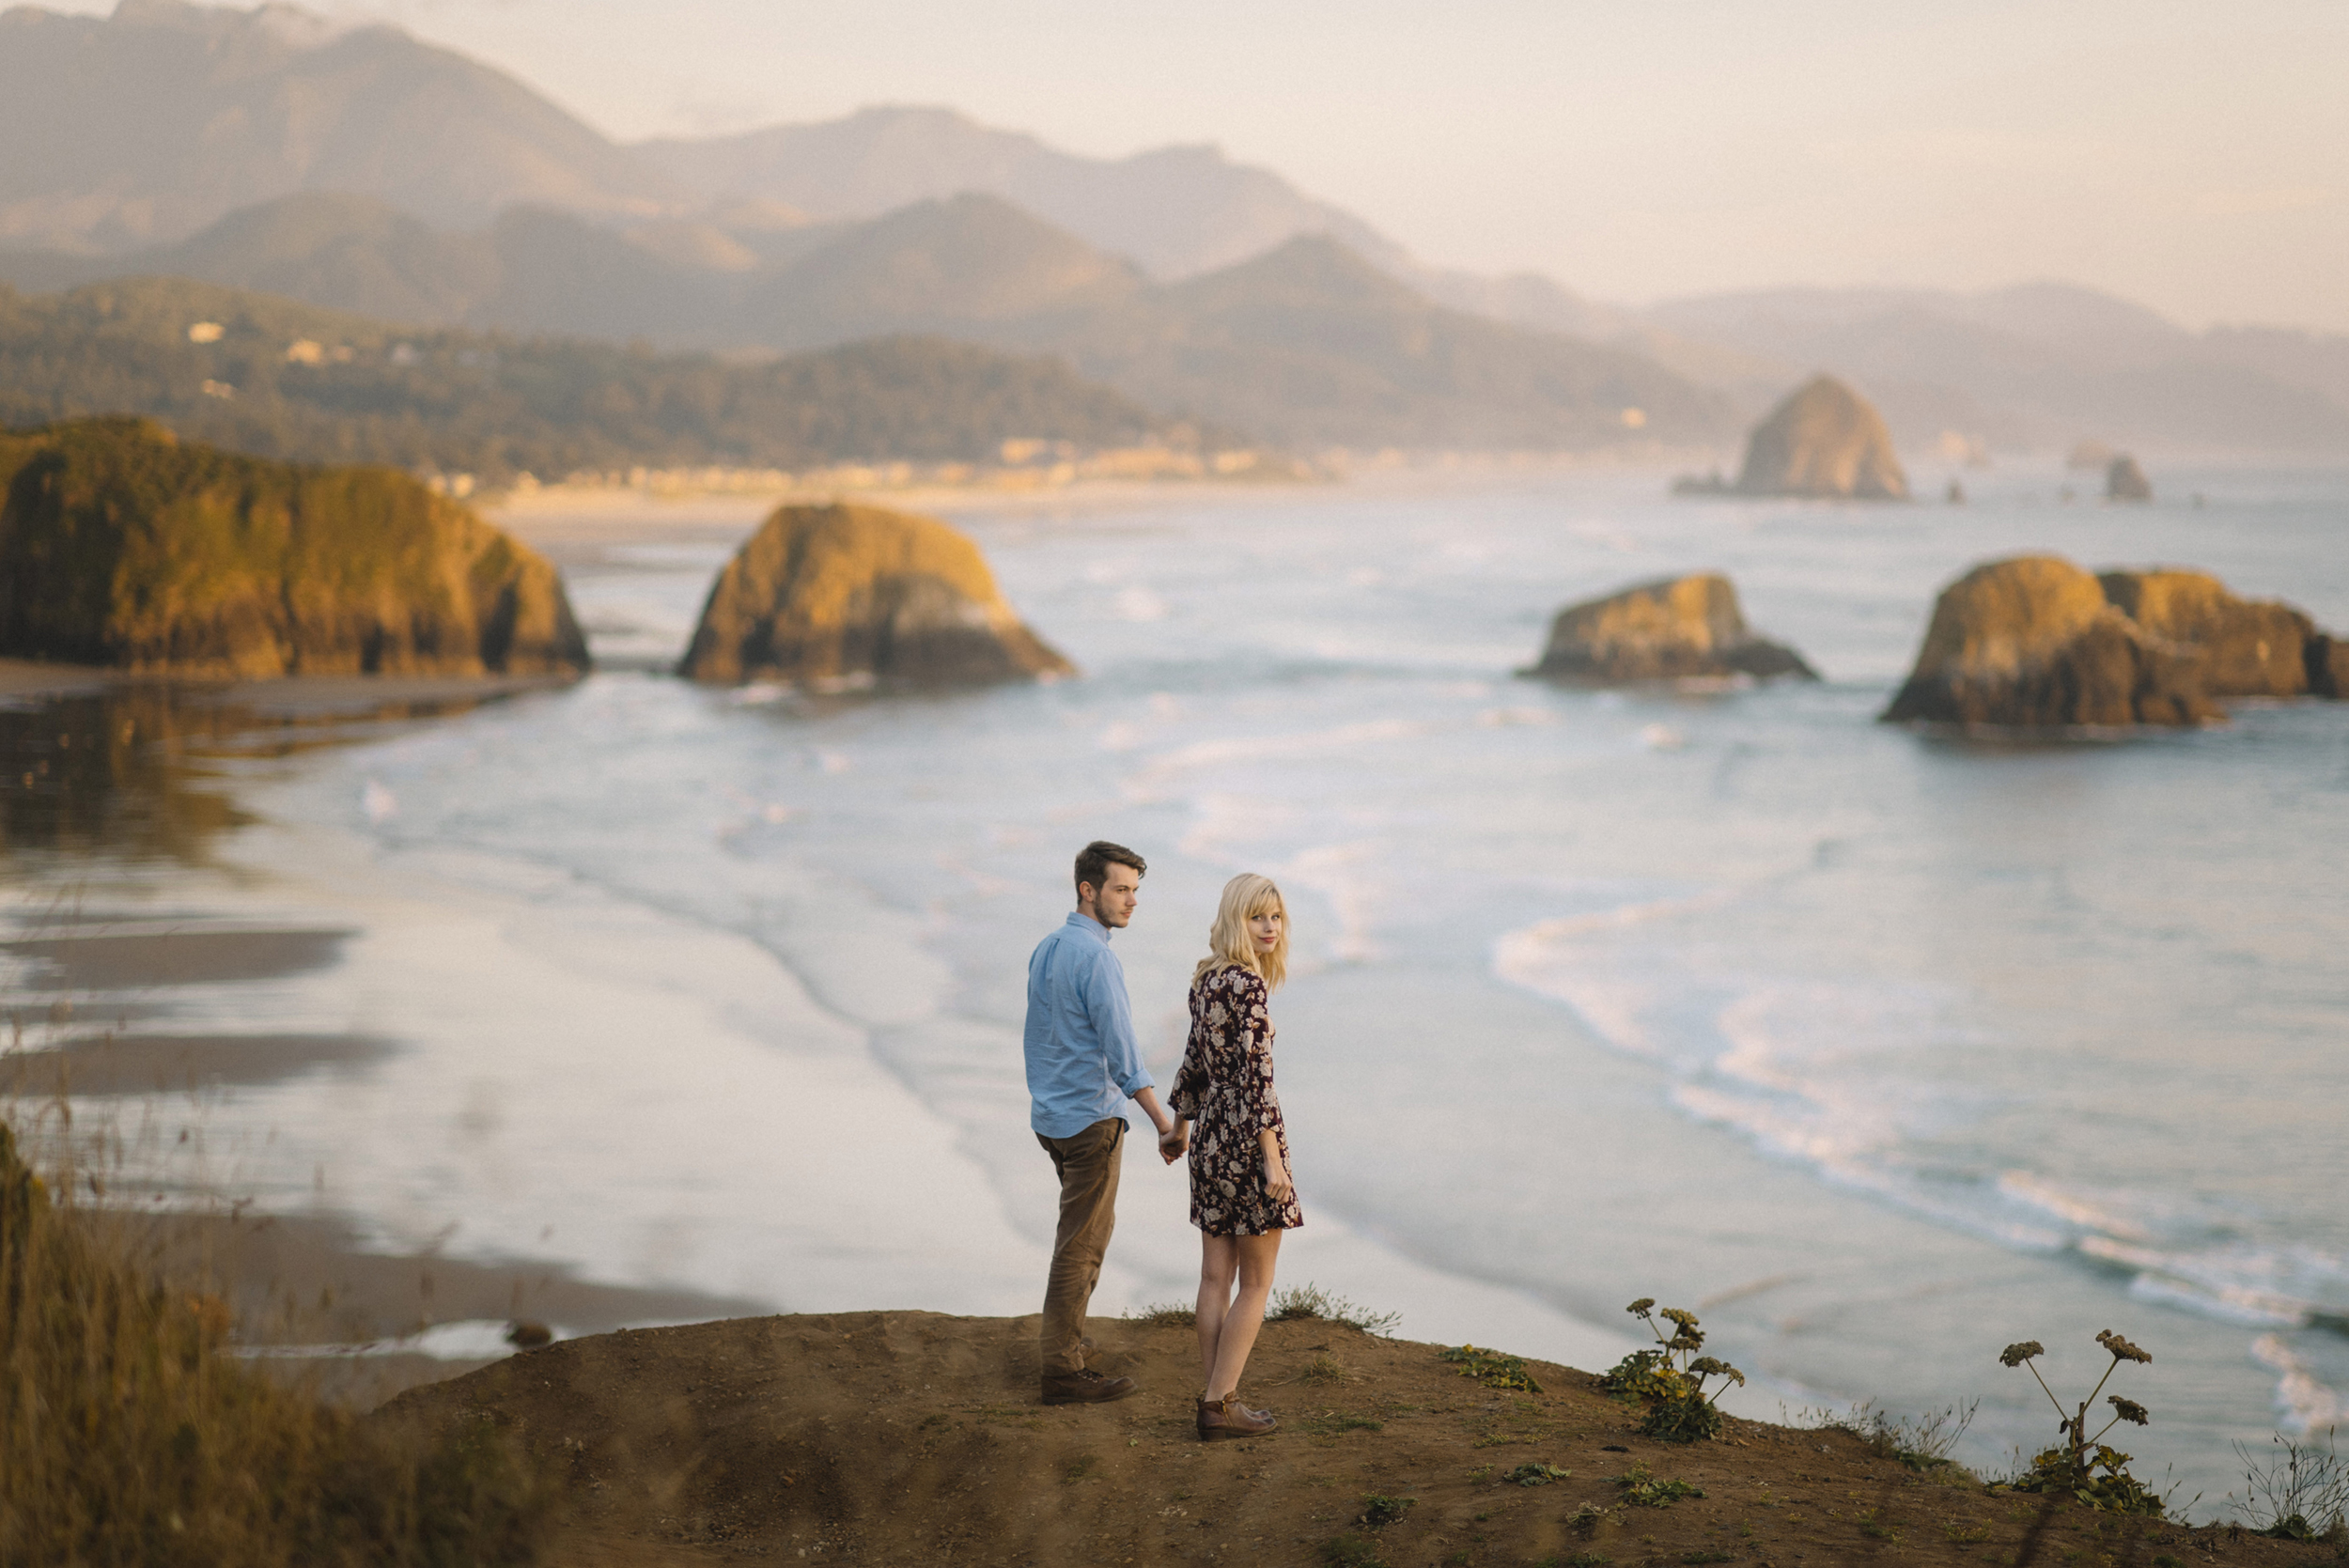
[(1819, 1073), (1149, 782), (2182, 1255), (2303, 1400), (1796, 1129), (2098, 1212), (2236, 1282), (1518, 955), (1348, 877)]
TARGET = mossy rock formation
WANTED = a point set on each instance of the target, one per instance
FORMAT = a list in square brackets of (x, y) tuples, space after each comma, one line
[(1674, 629), (840, 597), (2036, 643), (122, 546), (1823, 440)]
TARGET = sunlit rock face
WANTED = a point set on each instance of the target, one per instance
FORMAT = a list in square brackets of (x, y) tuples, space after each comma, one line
[(122, 546), (840, 596), (1674, 629), (2035, 642), (1823, 440), (2244, 647)]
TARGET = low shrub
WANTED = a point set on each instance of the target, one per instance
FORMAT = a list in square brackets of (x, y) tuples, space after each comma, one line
[(1491, 1368), (1670, 1380), (1308, 1300)]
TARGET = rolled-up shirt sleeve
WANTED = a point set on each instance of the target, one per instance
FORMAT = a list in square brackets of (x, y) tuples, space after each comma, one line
[(1112, 1020)]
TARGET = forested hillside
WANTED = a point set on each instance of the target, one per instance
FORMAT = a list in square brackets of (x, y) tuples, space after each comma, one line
[(279, 379)]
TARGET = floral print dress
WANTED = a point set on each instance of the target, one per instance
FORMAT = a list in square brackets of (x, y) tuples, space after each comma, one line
[(1225, 1087)]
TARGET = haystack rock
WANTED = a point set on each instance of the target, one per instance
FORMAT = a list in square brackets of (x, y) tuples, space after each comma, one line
[(2037, 643), (122, 546), (1673, 629), (1824, 440), (840, 597), (2125, 481)]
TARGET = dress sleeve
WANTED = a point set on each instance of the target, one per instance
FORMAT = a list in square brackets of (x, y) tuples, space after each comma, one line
[(1252, 1021), (1190, 1080)]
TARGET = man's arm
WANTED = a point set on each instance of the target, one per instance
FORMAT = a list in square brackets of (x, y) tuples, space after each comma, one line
[(1174, 1136), (1112, 1020)]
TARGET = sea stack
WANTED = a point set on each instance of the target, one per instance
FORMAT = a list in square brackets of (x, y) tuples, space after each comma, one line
[(2125, 481), (2243, 647), (121, 545), (1823, 440), (1673, 629), (842, 597), (2036, 643), (2030, 643)]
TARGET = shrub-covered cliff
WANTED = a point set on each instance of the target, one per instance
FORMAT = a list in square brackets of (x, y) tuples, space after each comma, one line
[(122, 545)]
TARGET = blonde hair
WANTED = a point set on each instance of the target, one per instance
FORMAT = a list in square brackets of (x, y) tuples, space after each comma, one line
[(1246, 896)]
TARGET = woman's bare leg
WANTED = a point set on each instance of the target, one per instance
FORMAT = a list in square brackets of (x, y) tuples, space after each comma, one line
[(1218, 1261), (1236, 1334)]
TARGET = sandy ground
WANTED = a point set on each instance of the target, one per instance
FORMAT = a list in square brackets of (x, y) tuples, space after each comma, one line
[(909, 1437)]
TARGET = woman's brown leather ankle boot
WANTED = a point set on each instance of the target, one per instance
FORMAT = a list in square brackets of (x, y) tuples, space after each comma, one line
[(1219, 1419)]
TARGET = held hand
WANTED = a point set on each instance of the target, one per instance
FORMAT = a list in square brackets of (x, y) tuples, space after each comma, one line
[(1174, 1141)]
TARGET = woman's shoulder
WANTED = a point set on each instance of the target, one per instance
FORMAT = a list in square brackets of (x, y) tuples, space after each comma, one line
[(1236, 978)]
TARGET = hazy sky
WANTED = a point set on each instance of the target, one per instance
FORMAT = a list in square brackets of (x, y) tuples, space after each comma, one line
[(2191, 156)]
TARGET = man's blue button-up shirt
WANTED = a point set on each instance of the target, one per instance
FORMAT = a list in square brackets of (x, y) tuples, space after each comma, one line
[(1082, 1063)]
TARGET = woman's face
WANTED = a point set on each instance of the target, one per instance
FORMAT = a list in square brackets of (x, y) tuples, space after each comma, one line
[(1264, 928)]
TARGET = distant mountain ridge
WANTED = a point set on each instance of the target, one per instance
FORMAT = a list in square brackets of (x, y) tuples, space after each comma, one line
[(1308, 345), (147, 125), (363, 169), (2042, 365), (1172, 212)]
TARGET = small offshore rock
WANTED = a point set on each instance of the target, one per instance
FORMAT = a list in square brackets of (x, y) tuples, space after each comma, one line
[(1673, 629), (524, 1334), (842, 597), (2125, 481)]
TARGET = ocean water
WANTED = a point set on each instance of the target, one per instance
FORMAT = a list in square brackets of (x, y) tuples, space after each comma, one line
[(1879, 1051)]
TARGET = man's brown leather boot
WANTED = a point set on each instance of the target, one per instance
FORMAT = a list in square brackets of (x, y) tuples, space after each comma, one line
[(1219, 1419), (1084, 1387)]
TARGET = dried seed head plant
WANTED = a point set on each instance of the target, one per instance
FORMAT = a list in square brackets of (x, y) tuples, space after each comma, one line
[(2084, 1466)]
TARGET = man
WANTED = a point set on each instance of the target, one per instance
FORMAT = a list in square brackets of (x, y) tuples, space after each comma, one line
[(1082, 1066)]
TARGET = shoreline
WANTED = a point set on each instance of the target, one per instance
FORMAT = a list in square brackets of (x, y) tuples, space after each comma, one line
[(287, 696)]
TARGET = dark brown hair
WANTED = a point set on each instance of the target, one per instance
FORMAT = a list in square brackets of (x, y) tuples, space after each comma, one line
[(1094, 860)]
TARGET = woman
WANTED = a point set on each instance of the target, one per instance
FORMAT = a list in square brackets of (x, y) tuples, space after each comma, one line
[(1240, 1195)]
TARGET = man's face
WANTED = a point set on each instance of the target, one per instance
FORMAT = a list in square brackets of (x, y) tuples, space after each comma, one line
[(1113, 904)]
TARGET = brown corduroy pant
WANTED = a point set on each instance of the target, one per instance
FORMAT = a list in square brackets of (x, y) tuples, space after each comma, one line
[(1088, 1166)]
